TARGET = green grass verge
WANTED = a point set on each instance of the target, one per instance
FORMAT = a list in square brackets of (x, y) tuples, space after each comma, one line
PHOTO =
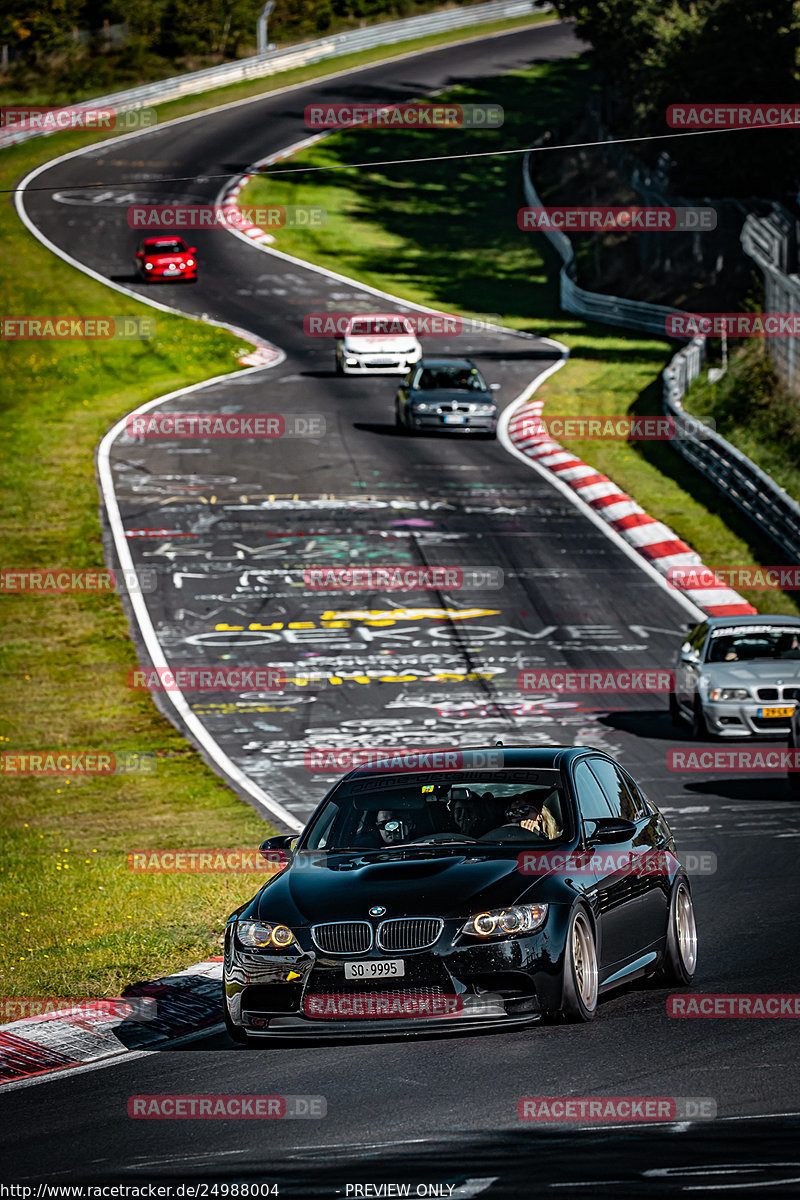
[(445, 234), (77, 922)]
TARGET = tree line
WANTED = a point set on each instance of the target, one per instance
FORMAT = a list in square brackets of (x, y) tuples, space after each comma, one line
[(651, 54)]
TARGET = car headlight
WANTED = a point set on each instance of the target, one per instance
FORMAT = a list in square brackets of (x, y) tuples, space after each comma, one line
[(190, 262), (421, 406), (148, 266), (351, 362), (260, 936), (502, 922), (729, 694)]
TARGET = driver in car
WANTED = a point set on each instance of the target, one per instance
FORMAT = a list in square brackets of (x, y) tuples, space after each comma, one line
[(469, 816), (529, 810)]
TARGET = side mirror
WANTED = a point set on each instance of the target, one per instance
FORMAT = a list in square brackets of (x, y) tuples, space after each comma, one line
[(494, 387), (278, 849), (608, 830), (140, 254), (193, 250)]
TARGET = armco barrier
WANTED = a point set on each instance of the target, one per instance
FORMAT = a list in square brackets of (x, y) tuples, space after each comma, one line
[(593, 306), (735, 475), (732, 472), (385, 34)]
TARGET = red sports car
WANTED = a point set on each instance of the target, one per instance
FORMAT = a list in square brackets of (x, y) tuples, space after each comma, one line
[(166, 258)]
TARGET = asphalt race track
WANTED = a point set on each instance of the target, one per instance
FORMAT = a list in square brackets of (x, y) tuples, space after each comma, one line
[(240, 522)]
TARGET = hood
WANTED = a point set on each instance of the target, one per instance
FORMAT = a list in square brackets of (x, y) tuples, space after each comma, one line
[(381, 343), (760, 672), (165, 259), (415, 882)]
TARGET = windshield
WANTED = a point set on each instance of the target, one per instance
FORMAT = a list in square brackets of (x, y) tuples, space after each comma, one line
[(747, 644), (165, 247), (380, 327), (450, 378), (445, 812)]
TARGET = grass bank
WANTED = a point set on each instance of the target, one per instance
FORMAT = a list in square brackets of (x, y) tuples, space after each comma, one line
[(76, 921)]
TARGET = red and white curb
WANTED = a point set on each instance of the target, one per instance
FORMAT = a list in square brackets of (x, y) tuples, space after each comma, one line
[(185, 1003), (262, 356), (659, 545), (252, 232)]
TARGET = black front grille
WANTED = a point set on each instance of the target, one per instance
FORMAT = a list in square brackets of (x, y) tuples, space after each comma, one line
[(270, 998), (335, 1003), (776, 723), (343, 937), (773, 693), (409, 933)]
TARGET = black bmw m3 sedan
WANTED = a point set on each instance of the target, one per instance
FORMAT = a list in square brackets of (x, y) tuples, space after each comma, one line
[(461, 889)]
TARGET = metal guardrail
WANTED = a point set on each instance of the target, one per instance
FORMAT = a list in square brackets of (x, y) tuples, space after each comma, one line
[(385, 34), (731, 472), (593, 306)]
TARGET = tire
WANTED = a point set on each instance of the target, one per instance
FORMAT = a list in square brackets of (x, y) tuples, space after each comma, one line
[(235, 1032), (398, 424), (674, 710), (680, 952), (339, 369), (580, 969), (699, 727)]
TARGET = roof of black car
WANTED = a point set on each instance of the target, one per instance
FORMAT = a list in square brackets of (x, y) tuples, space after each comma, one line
[(514, 758), (445, 362), (758, 619)]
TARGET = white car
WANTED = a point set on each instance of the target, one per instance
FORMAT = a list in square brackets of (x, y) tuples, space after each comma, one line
[(381, 343)]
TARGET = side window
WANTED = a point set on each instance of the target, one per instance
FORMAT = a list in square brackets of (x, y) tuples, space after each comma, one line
[(622, 799), (644, 805), (591, 798), (697, 639)]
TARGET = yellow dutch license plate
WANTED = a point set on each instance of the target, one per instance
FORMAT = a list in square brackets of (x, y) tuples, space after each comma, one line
[(777, 713)]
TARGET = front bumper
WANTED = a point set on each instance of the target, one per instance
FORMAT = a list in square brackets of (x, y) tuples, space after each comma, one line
[(448, 987), (163, 273), (469, 423), (740, 719), (377, 364)]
